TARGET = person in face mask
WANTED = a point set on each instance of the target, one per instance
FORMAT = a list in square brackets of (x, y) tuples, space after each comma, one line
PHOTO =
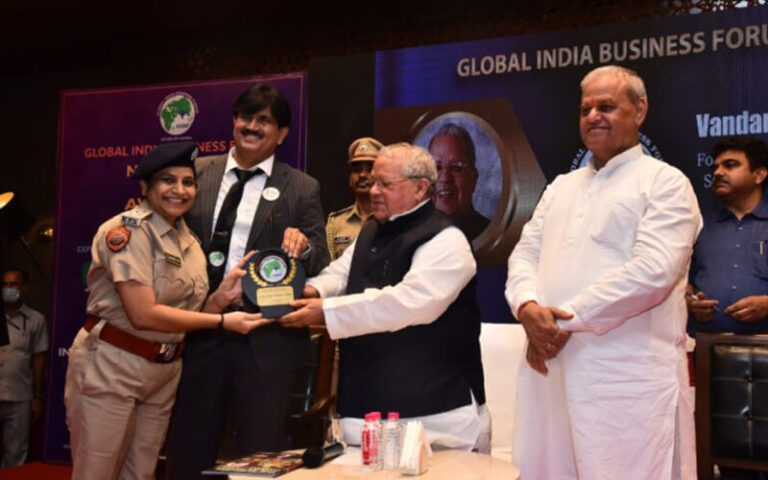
[(22, 363)]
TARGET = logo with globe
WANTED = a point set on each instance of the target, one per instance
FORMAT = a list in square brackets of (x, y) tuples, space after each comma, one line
[(272, 281), (177, 113), (273, 268)]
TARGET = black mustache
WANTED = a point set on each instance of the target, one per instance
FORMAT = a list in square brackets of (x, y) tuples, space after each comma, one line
[(248, 131)]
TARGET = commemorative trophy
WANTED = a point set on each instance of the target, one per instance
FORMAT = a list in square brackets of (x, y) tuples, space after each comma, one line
[(273, 279)]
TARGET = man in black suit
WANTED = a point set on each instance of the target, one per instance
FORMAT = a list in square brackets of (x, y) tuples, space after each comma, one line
[(246, 201)]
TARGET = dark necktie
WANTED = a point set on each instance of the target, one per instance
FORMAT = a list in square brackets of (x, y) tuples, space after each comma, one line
[(217, 258)]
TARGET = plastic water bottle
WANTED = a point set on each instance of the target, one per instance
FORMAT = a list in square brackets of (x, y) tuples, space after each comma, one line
[(370, 442), (379, 441), (392, 442)]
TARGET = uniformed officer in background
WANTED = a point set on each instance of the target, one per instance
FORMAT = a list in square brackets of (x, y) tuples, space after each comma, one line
[(344, 225), (22, 363)]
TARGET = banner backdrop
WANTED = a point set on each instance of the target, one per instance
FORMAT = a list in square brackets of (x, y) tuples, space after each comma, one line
[(102, 136), (518, 99)]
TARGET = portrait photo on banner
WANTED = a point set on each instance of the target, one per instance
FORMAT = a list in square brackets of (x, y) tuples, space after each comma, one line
[(489, 179)]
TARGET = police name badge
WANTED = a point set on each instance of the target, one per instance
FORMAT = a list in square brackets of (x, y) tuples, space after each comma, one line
[(272, 279)]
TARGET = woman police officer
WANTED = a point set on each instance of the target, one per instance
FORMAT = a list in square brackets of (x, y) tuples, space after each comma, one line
[(147, 284)]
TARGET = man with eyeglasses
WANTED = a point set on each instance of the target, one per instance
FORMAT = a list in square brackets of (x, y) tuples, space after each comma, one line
[(246, 200), (454, 152), (401, 302), (22, 363)]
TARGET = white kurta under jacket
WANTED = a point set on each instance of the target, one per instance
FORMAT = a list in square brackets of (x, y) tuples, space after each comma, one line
[(612, 247)]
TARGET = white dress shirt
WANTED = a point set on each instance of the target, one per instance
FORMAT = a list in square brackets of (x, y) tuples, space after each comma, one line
[(246, 210), (612, 246), (440, 269)]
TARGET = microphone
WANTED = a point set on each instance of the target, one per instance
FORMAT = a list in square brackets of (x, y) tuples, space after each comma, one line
[(315, 456)]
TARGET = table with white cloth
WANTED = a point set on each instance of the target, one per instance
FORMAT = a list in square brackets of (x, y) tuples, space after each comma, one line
[(443, 465)]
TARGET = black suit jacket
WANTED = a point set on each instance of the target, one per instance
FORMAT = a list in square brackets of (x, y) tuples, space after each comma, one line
[(275, 348)]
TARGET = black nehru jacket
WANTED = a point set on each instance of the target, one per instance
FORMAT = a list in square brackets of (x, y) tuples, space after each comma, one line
[(422, 369)]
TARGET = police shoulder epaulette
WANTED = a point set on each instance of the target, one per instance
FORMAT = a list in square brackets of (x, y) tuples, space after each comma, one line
[(339, 212), (134, 217)]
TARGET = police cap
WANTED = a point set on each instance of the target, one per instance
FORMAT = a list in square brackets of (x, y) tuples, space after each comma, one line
[(364, 149), (176, 154)]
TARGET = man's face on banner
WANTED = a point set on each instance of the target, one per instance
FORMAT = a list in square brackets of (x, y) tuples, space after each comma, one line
[(456, 175), (609, 119)]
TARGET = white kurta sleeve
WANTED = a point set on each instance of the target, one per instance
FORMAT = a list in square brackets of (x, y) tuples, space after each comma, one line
[(523, 263), (440, 269), (666, 232), (332, 280)]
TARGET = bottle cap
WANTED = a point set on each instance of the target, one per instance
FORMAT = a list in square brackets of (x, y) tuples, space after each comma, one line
[(393, 416), (369, 417), (376, 415)]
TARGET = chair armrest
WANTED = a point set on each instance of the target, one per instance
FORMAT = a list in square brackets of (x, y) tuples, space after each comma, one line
[(319, 408)]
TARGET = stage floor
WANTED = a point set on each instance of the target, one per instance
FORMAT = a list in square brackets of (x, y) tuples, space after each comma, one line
[(37, 471)]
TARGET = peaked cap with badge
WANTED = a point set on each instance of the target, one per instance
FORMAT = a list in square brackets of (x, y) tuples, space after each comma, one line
[(176, 154), (364, 149)]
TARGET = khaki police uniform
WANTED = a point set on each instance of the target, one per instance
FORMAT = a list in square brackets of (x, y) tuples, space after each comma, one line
[(344, 225), (342, 229), (119, 403)]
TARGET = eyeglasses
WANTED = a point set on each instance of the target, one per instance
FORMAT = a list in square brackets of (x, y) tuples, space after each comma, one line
[(387, 184), (261, 118)]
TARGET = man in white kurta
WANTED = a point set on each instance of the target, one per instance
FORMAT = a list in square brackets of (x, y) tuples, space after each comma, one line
[(597, 280), (429, 309)]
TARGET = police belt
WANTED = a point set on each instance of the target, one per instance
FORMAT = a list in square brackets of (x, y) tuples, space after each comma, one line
[(153, 351)]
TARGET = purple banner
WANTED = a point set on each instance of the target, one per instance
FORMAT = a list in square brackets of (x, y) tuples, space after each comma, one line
[(102, 136)]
